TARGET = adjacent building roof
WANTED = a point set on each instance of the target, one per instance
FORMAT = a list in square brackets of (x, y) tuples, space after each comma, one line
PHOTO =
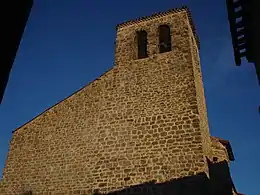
[(227, 144)]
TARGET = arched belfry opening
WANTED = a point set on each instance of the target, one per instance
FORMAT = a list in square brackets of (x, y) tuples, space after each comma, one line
[(165, 44), (142, 44)]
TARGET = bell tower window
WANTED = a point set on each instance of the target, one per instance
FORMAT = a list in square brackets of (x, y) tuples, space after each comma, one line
[(142, 44), (164, 39)]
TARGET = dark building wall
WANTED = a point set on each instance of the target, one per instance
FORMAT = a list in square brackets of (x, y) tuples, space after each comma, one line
[(16, 14), (256, 35), (244, 20)]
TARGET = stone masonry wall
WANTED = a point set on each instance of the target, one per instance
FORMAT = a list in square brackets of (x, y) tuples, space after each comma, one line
[(200, 96), (2, 187), (136, 123)]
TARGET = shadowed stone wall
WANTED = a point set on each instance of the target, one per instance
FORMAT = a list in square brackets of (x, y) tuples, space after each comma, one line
[(142, 120)]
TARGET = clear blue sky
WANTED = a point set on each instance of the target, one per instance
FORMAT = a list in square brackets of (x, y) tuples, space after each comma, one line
[(68, 43)]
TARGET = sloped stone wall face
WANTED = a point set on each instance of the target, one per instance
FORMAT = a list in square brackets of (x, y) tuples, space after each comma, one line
[(136, 123)]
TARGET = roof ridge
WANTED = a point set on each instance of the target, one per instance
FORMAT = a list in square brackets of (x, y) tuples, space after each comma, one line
[(160, 14)]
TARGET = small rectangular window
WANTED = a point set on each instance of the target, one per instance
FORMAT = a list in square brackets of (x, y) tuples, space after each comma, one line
[(142, 44), (164, 39)]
